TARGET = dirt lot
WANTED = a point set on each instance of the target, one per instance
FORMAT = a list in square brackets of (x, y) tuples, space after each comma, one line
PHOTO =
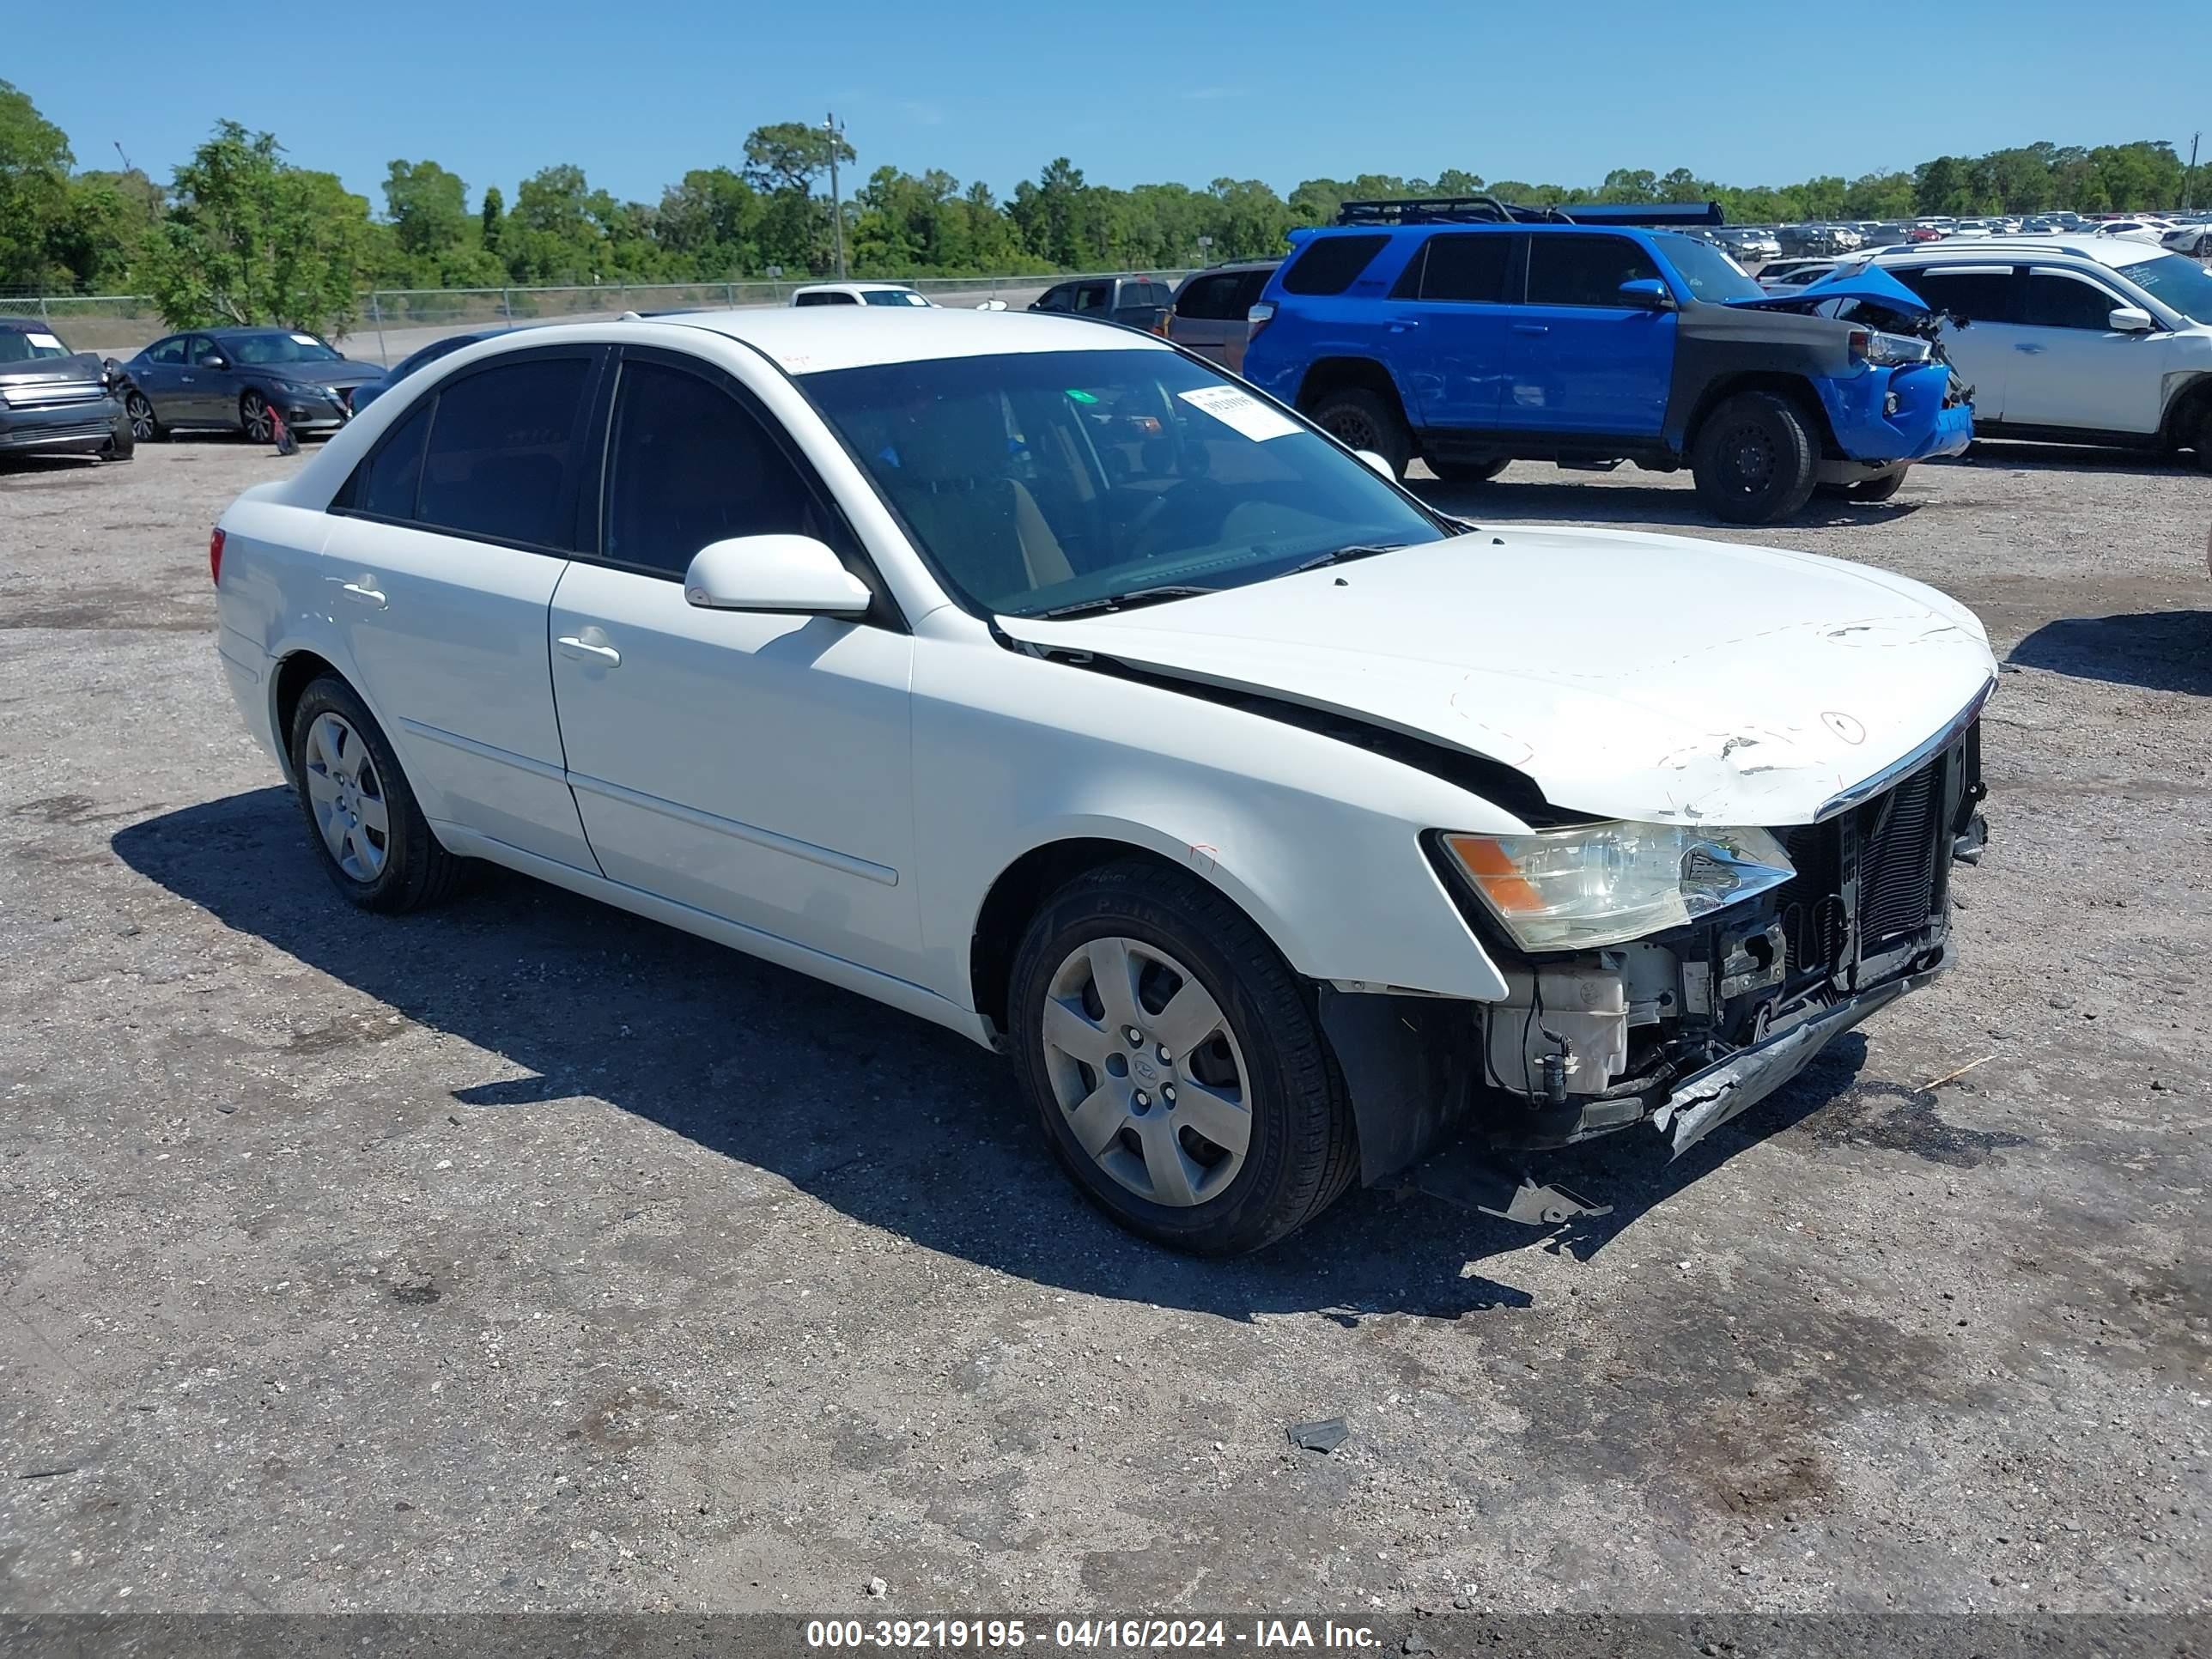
[(528, 1255)]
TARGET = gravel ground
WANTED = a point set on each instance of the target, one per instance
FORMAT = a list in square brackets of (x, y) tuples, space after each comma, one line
[(526, 1254)]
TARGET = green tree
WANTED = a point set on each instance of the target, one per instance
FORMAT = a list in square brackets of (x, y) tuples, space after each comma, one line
[(251, 238), (34, 170), (491, 217), (428, 208)]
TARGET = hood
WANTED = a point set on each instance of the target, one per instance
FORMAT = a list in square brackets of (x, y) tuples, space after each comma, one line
[(1868, 283), (1629, 675), (74, 369)]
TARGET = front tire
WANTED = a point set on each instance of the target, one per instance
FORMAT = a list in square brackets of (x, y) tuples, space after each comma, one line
[(1175, 1064), (1360, 419), (376, 846), (1468, 472), (255, 420), (1879, 490), (1754, 459), (139, 410)]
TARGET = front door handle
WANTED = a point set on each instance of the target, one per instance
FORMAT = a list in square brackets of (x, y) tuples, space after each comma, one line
[(585, 651), (1405, 325), (1531, 328), (2032, 349), (361, 593)]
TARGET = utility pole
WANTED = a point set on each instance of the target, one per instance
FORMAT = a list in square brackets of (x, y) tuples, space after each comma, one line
[(2189, 179), (837, 201)]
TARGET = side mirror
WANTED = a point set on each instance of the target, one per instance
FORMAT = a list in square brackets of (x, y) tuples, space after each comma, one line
[(995, 304), (2130, 320), (1377, 462), (774, 573), (1648, 293), (218, 361)]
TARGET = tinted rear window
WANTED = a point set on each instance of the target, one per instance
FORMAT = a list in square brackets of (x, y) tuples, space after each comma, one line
[(1331, 264), (1466, 266), (502, 450), (387, 483), (1211, 299)]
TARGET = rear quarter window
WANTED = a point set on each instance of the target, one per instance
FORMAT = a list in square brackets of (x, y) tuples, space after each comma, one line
[(1331, 264)]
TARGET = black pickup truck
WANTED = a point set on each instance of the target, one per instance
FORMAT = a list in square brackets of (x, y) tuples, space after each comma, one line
[(1138, 301)]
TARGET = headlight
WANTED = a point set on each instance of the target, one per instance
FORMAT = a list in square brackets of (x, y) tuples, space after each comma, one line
[(1602, 884), (1889, 350)]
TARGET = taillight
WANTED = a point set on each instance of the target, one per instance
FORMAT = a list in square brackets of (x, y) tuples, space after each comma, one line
[(1258, 317), (215, 556)]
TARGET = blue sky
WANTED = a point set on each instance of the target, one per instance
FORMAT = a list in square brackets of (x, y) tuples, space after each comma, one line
[(1748, 93)]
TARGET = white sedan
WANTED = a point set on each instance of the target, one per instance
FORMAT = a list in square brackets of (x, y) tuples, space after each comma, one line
[(1039, 680)]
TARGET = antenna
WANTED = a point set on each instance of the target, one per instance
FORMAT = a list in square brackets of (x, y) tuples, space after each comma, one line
[(127, 166)]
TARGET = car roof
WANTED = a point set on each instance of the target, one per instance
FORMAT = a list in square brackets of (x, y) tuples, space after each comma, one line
[(240, 330), (854, 287), (812, 340), (2105, 250)]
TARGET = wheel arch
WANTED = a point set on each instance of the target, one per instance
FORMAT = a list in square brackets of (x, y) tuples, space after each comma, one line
[(1794, 388), (2185, 406), (1337, 374), (1019, 890)]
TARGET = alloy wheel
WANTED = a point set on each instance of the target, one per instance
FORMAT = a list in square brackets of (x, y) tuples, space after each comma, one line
[(253, 411), (140, 414), (348, 798), (1146, 1071)]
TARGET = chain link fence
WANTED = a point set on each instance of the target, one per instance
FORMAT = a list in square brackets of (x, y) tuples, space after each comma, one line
[(391, 322)]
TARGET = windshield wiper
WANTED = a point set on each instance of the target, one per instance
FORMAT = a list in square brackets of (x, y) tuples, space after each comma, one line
[(1357, 550), (1123, 601)]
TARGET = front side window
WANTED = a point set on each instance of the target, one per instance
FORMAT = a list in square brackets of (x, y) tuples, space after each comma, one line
[(689, 466), (205, 351), (1037, 480), (170, 352), (259, 350), (2053, 301), (1331, 264), (1210, 299), (502, 450), (1093, 296), (1054, 300), (1572, 270)]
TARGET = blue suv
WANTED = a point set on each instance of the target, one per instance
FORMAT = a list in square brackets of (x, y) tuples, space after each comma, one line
[(1471, 337)]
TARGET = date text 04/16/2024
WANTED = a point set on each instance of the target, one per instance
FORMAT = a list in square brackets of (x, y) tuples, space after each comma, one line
[(1008, 1635)]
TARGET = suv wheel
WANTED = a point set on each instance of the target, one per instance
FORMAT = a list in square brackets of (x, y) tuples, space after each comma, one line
[(1468, 472), (1360, 419), (1178, 1069), (377, 847), (1753, 458)]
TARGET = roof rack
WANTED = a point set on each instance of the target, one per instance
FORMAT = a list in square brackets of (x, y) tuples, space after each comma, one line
[(1489, 209)]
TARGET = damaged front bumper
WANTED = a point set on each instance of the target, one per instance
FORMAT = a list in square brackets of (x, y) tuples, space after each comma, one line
[(1684, 1030)]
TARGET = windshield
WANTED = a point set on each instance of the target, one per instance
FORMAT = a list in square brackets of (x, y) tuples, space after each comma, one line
[(1709, 274), (279, 349), (893, 296), (1037, 481), (2177, 281), (23, 346)]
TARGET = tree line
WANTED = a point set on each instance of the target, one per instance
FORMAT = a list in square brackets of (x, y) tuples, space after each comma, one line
[(239, 233)]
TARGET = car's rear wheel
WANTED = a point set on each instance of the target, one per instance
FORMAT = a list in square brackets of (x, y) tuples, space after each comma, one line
[(1177, 1066), (1362, 419), (255, 419), (144, 428), (376, 846), (1754, 458), (1468, 472)]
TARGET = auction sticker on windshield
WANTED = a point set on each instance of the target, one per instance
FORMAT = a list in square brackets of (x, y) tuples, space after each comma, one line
[(44, 341), (1240, 411)]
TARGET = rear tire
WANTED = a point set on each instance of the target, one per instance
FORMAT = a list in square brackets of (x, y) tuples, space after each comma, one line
[(376, 846), (1754, 458), (1468, 472), (1361, 419), (1189, 961)]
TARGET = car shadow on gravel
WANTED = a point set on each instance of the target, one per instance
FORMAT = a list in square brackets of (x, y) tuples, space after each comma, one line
[(1513, 501), (2073, 457), (897, 1124), (2158, 650)]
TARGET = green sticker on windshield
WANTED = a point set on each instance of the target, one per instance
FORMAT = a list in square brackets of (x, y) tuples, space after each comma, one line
[(1081, 397)]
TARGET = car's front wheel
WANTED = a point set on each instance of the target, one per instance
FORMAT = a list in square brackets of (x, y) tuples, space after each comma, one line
[(144, 428), (1359, 418), (376, 846), (1176, 1062), (1754, 458), (255, 420)]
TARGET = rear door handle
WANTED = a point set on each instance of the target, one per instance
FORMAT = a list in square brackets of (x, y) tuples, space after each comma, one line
[(361, 593), (1531, 328), (584, 651)]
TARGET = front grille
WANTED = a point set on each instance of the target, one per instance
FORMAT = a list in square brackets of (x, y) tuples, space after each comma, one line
[(59, 394), (1870, 878)]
